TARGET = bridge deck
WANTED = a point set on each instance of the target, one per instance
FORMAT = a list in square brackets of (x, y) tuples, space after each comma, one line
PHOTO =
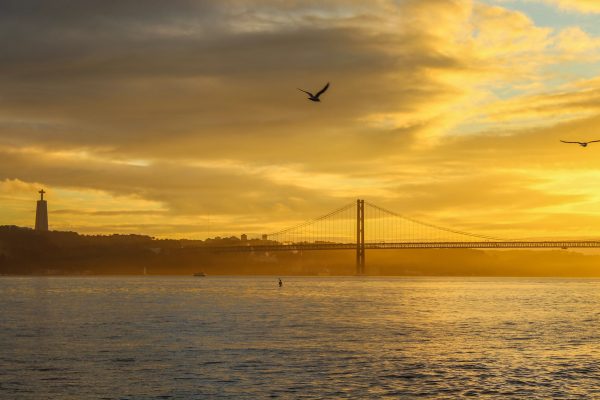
[(410, 245)]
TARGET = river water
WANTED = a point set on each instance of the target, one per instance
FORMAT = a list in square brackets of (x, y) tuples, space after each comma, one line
[(246, 338)]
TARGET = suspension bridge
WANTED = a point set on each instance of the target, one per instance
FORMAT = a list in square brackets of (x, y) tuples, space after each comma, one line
[(362, 225)]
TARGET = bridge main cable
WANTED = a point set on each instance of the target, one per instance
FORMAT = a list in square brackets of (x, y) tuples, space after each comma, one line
[(441, 228), (312, 221)]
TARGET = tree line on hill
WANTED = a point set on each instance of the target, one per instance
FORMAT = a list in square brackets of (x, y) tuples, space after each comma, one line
[(24, 251)]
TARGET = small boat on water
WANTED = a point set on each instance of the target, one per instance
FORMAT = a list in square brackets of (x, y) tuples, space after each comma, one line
[(199, 274)]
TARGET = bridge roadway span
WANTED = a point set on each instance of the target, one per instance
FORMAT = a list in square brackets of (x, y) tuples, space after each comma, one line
[(409, 245)]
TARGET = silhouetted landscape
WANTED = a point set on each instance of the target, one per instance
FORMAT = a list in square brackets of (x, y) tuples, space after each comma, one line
[(410, 184), (24, 251)]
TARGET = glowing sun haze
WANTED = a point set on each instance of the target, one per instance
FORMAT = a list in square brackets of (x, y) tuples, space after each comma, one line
[(182, 118)]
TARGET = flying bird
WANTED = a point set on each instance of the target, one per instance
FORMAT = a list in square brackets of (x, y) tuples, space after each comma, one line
[(315, 97), (582, 144)]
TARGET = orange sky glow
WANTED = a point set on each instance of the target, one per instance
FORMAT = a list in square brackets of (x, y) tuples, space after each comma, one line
[(182, 119)]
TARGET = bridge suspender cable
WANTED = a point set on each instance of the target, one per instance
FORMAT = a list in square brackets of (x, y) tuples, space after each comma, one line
[(312, 221), (440, 228)]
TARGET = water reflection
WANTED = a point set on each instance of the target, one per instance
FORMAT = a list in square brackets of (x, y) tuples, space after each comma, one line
[(316, 337)]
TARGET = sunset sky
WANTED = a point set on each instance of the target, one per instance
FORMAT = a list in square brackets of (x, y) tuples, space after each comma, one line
[(182, 118)]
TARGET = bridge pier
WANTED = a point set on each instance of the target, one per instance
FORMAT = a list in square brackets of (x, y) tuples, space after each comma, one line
[(360, 237)]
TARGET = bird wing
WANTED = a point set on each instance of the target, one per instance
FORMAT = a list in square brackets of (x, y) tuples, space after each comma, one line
[(593, 141), (308, 93), (570, 142), (322, 90)]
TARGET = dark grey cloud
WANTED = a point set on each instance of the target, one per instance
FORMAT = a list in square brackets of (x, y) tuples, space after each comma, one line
[(108, 213), (103, 75)]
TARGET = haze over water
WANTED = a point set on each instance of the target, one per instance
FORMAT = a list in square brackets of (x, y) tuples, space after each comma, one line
[(234, 337)]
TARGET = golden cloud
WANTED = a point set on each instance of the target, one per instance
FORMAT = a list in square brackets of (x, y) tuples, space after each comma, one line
[(186, 110)]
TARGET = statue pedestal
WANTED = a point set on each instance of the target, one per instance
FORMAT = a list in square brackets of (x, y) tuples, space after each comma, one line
[(41, 216)]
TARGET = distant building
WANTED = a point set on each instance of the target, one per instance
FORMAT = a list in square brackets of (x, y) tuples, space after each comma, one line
[(41, 214), (244, 237), (264, 237)]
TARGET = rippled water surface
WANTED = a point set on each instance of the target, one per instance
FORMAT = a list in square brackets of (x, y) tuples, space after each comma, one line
[(234, 337)]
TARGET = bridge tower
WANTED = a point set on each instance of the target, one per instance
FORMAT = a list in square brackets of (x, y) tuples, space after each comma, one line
[(360, 237)]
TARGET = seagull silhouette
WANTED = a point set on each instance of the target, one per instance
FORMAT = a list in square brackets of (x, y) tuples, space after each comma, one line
[(315, 97), (582, 144)]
